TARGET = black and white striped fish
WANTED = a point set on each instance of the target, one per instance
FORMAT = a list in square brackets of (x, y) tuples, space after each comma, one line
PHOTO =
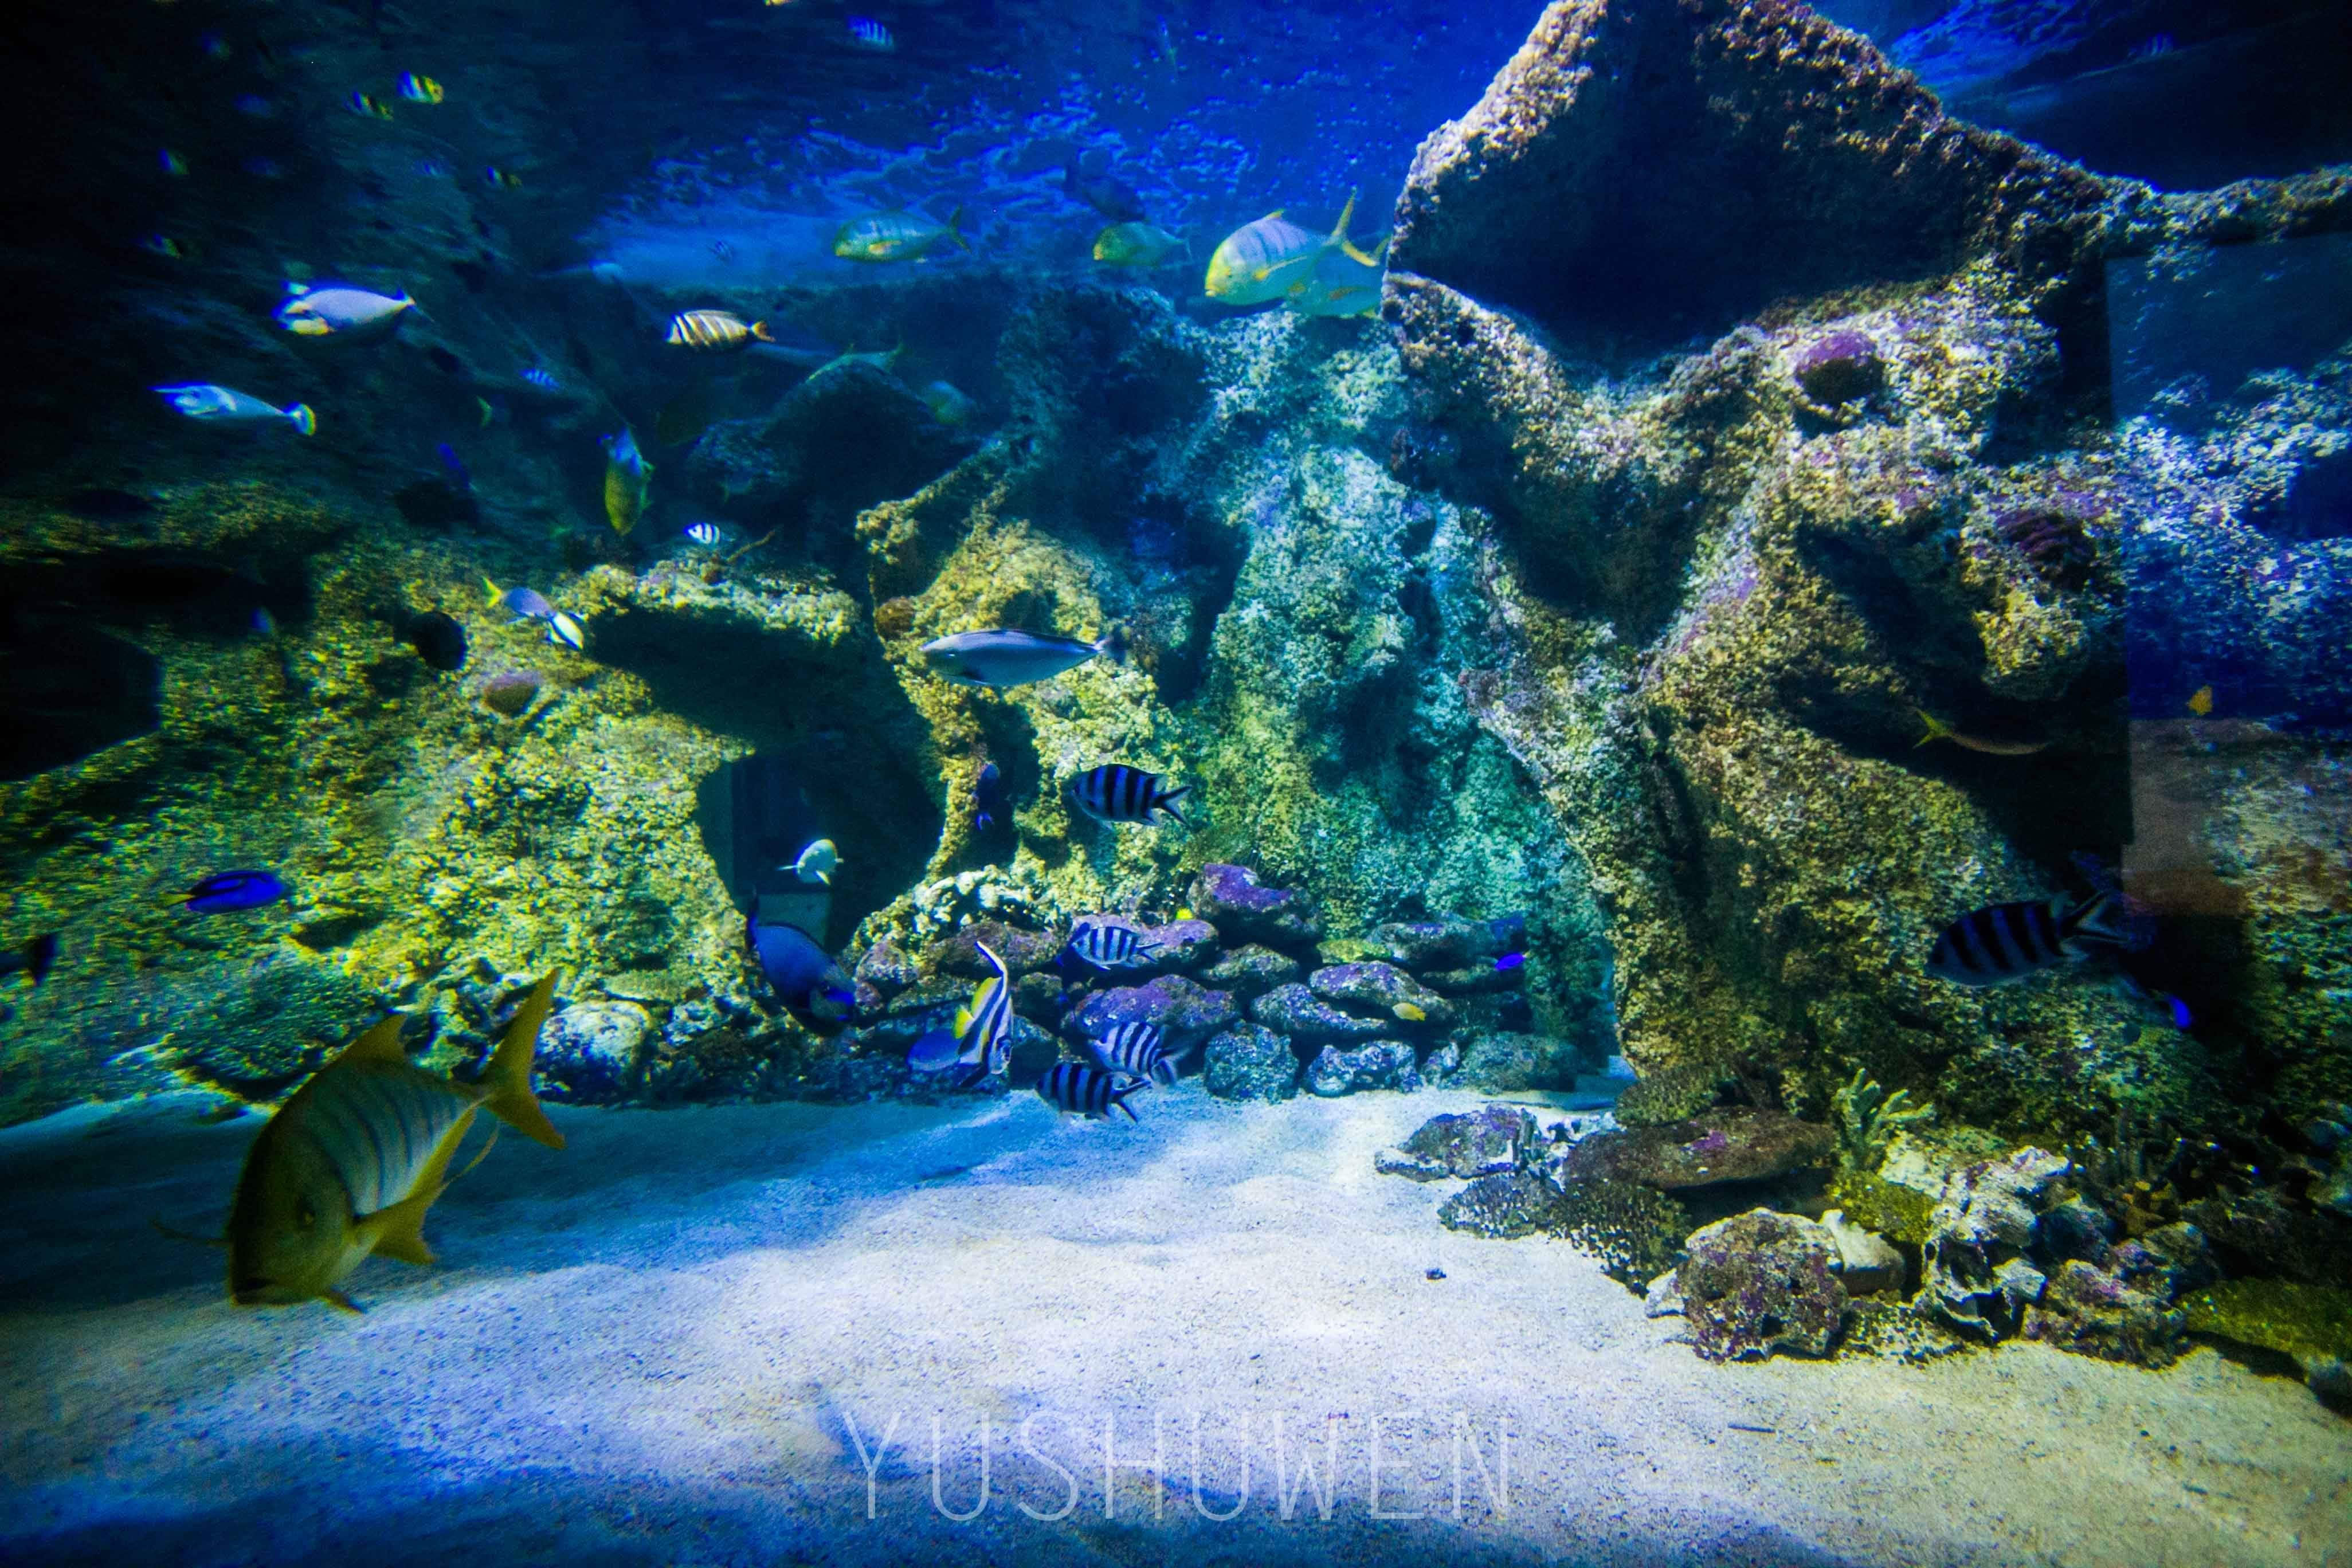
[(984, 1030), (2008, 942), (716, 332), (1108, 945), (1088, 1091), (1117, 793), (1136, 1047)]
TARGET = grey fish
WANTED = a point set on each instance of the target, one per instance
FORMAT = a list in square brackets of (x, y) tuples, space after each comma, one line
[(1007, 656), (1087, 1091), (1136, 1047)]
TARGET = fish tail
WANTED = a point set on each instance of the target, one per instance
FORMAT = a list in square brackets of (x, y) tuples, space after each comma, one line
[(508, 1078), (1119, 1098), (2109, 918), (304, 420), (496, 591), (1167, 803), (1340, 229), (955, 231), (1113, 646), (759, 331), (1936, 729)]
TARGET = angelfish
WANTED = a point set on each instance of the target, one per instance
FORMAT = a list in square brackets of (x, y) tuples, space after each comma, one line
[(348, 1167)]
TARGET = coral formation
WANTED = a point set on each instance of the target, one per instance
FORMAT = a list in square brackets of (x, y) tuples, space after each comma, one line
[(1475, 1143), (1760, 1283), (1735, 1143)]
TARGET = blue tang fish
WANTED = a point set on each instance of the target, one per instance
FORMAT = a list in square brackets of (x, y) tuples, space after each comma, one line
[(225, 892), (802, 974)]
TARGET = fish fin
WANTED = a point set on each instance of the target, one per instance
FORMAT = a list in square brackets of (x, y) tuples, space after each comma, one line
[(296, 291), (759, 331), (2109, 918), (1167, 803), (341, 1302), (1355, 254), (1113, 646), (955, 232), (1936, 729), (379, 1042), (174, 1233), (1274, 214), (1119, 1098), (496, 591), (962, 1021), (403, 1236), (304, 420), (990, 953), (1340, 229), (508, 1078)]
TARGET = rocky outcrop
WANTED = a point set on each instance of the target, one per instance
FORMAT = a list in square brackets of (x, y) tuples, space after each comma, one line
[(1759, 1284), (1474, 1143), (1735, 1143)]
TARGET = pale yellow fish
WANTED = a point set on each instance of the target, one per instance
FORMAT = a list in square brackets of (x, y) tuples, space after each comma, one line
[(1135, 245), (1409, 1012), (1345, 282), (348, 1167), (895, 236), (1267, 259), (1990, 746)]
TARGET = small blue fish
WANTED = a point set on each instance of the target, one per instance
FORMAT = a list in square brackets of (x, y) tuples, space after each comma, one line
[(503, 178), (433, 168), (456, 467), (988, 798), (542, 379), (706, 534), (1509, 962), (721, 249), (2180, 1019), (228, 891), (866, 33), (802, 974), (522, 603)]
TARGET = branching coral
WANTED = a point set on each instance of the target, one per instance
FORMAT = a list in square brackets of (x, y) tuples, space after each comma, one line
[(1868, 1117)]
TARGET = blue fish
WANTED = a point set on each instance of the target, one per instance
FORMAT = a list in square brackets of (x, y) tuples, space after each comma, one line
[(990, 800), (226, 893), (934, 1053), (866, 33), (542, 379), (2180, 1019), (456, 467), (804, 976), (1509, 962)]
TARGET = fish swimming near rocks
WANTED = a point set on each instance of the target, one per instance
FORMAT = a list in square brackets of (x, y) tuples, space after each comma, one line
[(1344, 282), (983, 1028), (368, 107), (543, 379), (348, 1167), (866, 33), (896, 236), (34, 960), (628, 480), (1138, 1047), (805, 977), (226, 405), (1117, 793), (340, 310), (1078, 1088), (1135, 245), (531, 604), (817, 863), (1271, 258), (2004, 943), (1991, 746), (1108, 945), (439, 641), (229, 892), (990, 802), (1006, 656), (948, 404), (715, 332), (705, 533)]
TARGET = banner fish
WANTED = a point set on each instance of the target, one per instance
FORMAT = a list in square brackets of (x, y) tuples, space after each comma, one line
[(226, 405), (1136, 1047), (1087, 1091), (984, 1030), (895, 236), (716, 332), (1273, 258), (628, 480), (1006, 656), (1117, 793), (348, 1167), (2008, 943)]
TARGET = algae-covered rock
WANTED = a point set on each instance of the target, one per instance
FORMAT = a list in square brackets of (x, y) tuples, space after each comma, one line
[(277, 1021), (2310, 1323), (1243, 908), (1759, 1283), (1736, 1143), (2124, 1303), (1505, 1060), (588, 1053), (1669, 1095), (1473, 1143), (1635, 1231), (1376, 1064), (1381, 989), (1185, 1013), (1296, 1011), (1249, 1062), (1249, 972), (1504, 1205)]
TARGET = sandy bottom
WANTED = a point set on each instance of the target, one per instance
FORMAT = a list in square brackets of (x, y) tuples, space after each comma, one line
[(779, 1334)]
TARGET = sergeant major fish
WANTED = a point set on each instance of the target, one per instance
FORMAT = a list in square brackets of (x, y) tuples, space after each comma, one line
[(327, 309), (896, 237), (866, 33), (628, 480), (226, 405), (1085, 1091), (1117, 793), (1108, 945), (1011, 658), (349, 1166), (715, 332), (2008, 942), (1138, 1047), (1272, 258)]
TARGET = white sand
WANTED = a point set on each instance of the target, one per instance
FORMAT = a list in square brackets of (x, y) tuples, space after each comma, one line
[(645, 1349)]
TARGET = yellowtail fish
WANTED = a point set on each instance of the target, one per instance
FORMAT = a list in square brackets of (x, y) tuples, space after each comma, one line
[(628, 479), (420, 88), (348, 1167), (1991, 746), (1265, 260), (895, 236), (1135, 245), (716, 332), (2201, 701), (362, 104), (1345, 282)]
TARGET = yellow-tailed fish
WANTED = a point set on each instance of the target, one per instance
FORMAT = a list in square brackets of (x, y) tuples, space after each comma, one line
[(715, 332), (347, 1168), (420, 88), (2201, 701), (1344, 282), (1135, 245), (1991, 746), (628, 480), (1264, 260), (895, 236)]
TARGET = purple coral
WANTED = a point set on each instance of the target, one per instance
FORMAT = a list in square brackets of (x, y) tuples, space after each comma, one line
[(1840, 367)]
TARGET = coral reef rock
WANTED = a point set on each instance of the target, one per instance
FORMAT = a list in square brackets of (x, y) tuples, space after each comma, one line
[(1297, 1012), (1977, 1274), (1381, 989), (1504, 1206), (1473, 1144), (1186, 1013), (1378, 1063), (1232, 898), (1249, 971), (1866, 1263), (1499, 1060), (1249, 1062), (1759, 1283), (1635, 1232), (1737, 1143), (588, 1052)]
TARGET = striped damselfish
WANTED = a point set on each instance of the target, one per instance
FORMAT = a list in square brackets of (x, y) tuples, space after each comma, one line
[(1138, 1047), (1117, 793), (1088, 1091), (2008, 943), (1108, 945)]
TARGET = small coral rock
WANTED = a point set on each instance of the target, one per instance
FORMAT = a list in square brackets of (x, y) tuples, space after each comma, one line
[(1733, 1144), (1474, 1143), (1182, 944), (1249, 1062), (1250, 970), (588, 1053), (1381, 988), (1980, 1231), (1866, 1262), (1499, 1207), (1382, 1064), (1242, 909), (887, 968), (1838, 367), (1759, 1283), (1497, 1059), (1186, 1013), (1021, 950), (1306, 1017), (1447, 942), (2124, 1305)]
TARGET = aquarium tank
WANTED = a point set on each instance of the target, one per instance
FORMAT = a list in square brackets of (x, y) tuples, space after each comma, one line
[(1035, 782)]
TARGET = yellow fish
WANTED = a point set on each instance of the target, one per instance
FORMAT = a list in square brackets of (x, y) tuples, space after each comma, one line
[(1269, 258), (347, 1168), (1409, 1014), (628, 480), (1135, 245), (2202, 703), (1990, 746), (1345, 282), (895, 236), (715, 332)]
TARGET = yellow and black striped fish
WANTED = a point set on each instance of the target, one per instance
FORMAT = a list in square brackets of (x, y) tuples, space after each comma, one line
[(716, 332), (347, 1168)]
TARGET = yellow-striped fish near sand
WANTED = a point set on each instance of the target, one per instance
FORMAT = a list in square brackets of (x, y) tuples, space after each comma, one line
[(716, 332), (347, 1168), (1271, 258), (895, 236)]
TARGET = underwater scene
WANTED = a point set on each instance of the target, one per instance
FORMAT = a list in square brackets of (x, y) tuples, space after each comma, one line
[(885, 782)]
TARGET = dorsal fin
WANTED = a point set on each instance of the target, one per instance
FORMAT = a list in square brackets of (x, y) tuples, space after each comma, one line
[(1274, 214), (379, 1042)]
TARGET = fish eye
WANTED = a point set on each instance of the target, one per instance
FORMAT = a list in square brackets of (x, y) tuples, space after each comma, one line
[(306, 1214)]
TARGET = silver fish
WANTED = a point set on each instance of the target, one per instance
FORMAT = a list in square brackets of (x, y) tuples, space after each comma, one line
[(226, 405), (1006, 656)]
